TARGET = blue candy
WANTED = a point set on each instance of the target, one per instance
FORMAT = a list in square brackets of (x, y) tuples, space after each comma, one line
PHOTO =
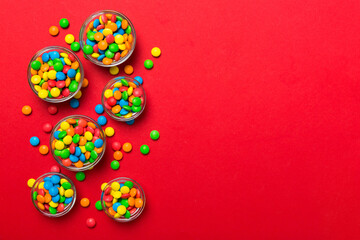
[(45, 57), (48, 185), (115, 206), (56, 135), (53, 191), (82, 157), (71, 73), (47, 179), (98, 143), (101, 30), (96, 23), (53, 55), (99, 109), (74, 103), (77, 151), (123, 112), (60, 76), (73, 158), (102, 120), (34, 141), (89, 42), (118, 24), (63, 61), (115, 89), (101, 51), (123, 103), (121, 185), (68, 200), (131, 122), (55, 179), (56, 198), (139, 79), (120, 31), (101, 57)]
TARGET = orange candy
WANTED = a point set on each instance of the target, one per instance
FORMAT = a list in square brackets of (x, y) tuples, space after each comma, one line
[(116, 108), (124, 53), (131, 201), (40, 198), (79, 164), (53, 30), (108, 204), (133, 85), (128, 69), (98, 36), (102, 45), (124, 24), (118, 155), (111, 211), (127, 147), (26, 110), (133, 192), (70, 131), (45, 85), (127, 45), (47, 198), (84, 202), (85, 83), (87, 155), (43, 149), (66, 162), (92, 125), (82, 141), (41, 206), (112, 26), (138, 202), (71, 121), (107, 61), (117, 95), (75, 65), (130, 38)]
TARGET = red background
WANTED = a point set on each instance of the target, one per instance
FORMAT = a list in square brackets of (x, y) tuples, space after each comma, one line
[(256, 102)]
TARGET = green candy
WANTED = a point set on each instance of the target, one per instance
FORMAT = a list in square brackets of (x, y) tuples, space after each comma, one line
[(52, 210), (144, 149), (148, 64), (109, 54), (62, 199), (136, 108), (124, 202), (98, 205), (128, 30), (118, 114), (115, 165), (65, 153), (66, 185), (114, 47), (35, 195), (41, 82), (91, 160), (93, 154), (75, 46), (49, 94), (64, 23), (50, 63), (119, 18), (76, 138), (90, 35), (36, 65), (80, 176), (57, 60), (127, 214), (124, 82), (88, 49), (62, 134), (136, 101), (89, 146), (129, 184), (58, 66), (57, 152), (125, 95), (154, 135), (73, 86), (127, 107)]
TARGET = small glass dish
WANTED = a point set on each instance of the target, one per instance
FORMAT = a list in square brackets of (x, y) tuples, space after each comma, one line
[(42, 199), (71, 157), (117, 84), (125, 45), (77, 79), (134, 212)]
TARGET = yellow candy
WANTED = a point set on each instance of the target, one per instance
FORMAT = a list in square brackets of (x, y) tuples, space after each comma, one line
[(156, 52), (114, 200), (45, 76), (64, 125), (115, 186), (52, 74), (103, 186), (52, 204), (55, 92), (117, 194), (31, 182), (83, 149), (95, 55), (114, 70), (43, 93), (37, 88), (122, 46), (108, 93), (101, 21), (69, 38), (67, 140), (125, 189), (109, 131), (61, 191), (121, 210), (119, 39), (78, 95), (88, 135), (67, 61), (107, 31), (128, 115), (118, 85), (78, 76), (69, 193), (35, 79), (130, 90), (63, 180), (117, 215), (64, 55), (59, 145), (41, 185)]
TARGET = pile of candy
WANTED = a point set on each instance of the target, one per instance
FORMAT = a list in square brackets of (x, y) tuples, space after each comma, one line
[(53, 194), (123, 99), (55, 74), (122, 199), (118, 155), (108, 38), (77, 142)]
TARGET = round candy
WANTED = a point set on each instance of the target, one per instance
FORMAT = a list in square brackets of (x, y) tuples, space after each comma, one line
[(75, 46), (156, 52), (90, 222), (127, 147), (74, 103), (128, 69), (116, 146), (53, 30), (36, 65), (98, 205), (109, 131), (154, 135), (69, 38), (115, 165), (31, 182), (26, 110), (64, 23), (43, 149), (52, 109), (34, 141), (85, 202), (148, 64), (87, 49), (139, 80), (102, 120), (47, 127), (144, 149), (85, 83), (78, 95), (131, 122), (118, 155), (55, 169), (99, 109), (114, 70), (80, 176)]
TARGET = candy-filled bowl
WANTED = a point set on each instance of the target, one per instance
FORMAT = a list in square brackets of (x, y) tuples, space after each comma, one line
[(53, 194), (123, 199), (123, 98), (107, 38), (77, 142), (55, 74)]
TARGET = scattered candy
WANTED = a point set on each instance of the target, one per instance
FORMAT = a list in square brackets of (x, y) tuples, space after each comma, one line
[(144, 149), (64, 23), (155, 52), (34, 141), (139, 80), (77, 142), (115, 165), (55, 169), (128, 69), (26, 110), (55, 74), (43, 149), (108, 39), (78, 95), (47, 127), (74, 103), (84, 202), (118, 155), (99, 109), (54, 31), (98, 205), (116, 146), (109, 131), (75, 46), (127, 147), (114, 70), (80, 176), (102, 120), (148, 64), (90, 222), (52, 109), (30, 182), (131, 122), (69, 38), (154, 135), (85, 83), (54, 194)]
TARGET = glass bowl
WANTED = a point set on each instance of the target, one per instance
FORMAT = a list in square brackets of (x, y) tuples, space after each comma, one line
[(39, 189), (74, 83), (118, 83), (124, 45), (135, 212), (82, 155)]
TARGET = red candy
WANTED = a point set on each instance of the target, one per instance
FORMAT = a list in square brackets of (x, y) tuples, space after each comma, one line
[(116, 146), (108, 198), (137, 92), (111, 101), (65, 92), (47, 127), (79, 130), (60, 84), (55, 169), (90, 222), (110, 38), (60, 207)]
